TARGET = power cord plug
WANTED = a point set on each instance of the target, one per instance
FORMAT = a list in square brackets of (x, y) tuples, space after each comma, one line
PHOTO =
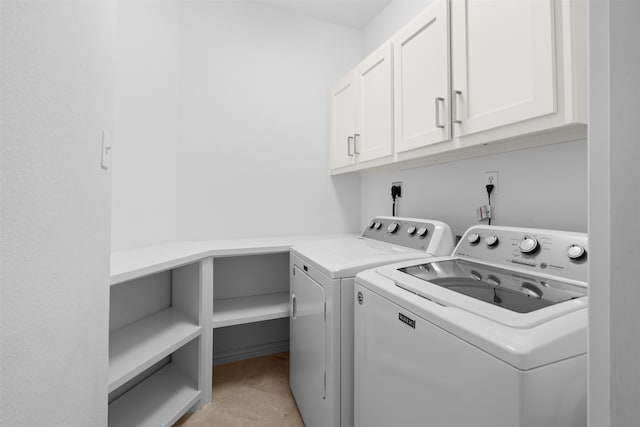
[(396, 191), (489, 188)]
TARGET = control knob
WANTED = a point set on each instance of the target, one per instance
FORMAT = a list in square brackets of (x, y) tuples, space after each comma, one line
[(372, 224), (473, 238), (411, 230), (377, 225), (493, 280), (475, 275), (393, 227), (576, 252), (491, 240), (422, 231), (528, 245)]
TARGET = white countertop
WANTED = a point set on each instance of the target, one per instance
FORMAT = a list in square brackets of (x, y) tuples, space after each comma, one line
[(133, 263)]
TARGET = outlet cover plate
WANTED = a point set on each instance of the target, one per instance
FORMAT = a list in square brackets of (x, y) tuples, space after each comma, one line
[(491, 178)]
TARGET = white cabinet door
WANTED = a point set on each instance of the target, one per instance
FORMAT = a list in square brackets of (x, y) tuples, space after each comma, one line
[(374, 136), (343, 122), (307, 348), (421, 80), (503, 63)]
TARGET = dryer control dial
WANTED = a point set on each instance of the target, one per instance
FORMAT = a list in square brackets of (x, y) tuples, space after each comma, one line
[(393, 227), (422, 231), (491, 240), (528, 245), (576, 252), (372, 224), (473, 238), (411, 230), (377, 225)]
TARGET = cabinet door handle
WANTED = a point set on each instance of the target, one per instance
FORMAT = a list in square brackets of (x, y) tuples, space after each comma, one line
[(438, 100), (349, 141), (294, 306), (356, 138), (456, 93)]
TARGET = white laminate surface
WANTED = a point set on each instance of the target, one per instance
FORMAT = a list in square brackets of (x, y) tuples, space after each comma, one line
[(133, 263)]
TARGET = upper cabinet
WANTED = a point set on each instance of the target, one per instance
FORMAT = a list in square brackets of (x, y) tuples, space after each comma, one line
[(474, 77), (374, 135), (362, 114), (421, 84), (504, 65), (343, 122), (519, 67)]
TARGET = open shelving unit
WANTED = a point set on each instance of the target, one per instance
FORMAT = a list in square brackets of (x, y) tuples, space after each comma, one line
[(172, 304), (249, 291), (138, 346), (158, 343), (160, 400), (250, 288)]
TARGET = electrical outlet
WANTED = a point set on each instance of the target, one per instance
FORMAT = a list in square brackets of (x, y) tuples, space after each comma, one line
[(491, 178)]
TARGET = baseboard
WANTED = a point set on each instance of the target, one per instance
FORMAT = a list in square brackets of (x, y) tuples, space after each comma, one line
[(250, 352)]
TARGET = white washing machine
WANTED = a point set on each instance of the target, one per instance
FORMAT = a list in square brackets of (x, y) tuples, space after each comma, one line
[(321, 321), (494, 335)]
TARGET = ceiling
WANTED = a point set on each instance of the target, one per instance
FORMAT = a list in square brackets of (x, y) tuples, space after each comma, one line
[(355, 14)]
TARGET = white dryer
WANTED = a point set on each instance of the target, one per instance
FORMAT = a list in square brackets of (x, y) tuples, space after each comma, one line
[(494, 335), (321, 321)]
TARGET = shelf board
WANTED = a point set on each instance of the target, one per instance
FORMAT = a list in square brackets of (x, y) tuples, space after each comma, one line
[(236, 311), (137, 346), (160, 400)]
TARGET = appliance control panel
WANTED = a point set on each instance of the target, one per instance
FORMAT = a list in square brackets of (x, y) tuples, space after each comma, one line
[(558, 253), (412, 233)]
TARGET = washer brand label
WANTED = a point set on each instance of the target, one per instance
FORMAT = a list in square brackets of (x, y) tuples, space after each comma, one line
[(524, 262), (407, 320)]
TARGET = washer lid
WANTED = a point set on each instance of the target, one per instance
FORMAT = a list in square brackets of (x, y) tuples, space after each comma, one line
[(517, 292), (346, 257), (515, 298)]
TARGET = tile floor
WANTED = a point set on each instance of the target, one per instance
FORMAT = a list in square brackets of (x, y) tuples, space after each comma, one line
[(253, 392)]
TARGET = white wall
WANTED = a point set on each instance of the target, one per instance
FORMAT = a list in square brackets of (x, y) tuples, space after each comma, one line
[(57, 96), (254, 123), (543, 187), (614, 294), (599, 410), (223, 123), (143, 208)]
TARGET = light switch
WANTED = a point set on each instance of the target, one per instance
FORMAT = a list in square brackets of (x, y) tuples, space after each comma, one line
[(106, 150)]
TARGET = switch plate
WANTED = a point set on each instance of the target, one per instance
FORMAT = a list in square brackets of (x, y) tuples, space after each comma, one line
[(106, 151), (491, 178)]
